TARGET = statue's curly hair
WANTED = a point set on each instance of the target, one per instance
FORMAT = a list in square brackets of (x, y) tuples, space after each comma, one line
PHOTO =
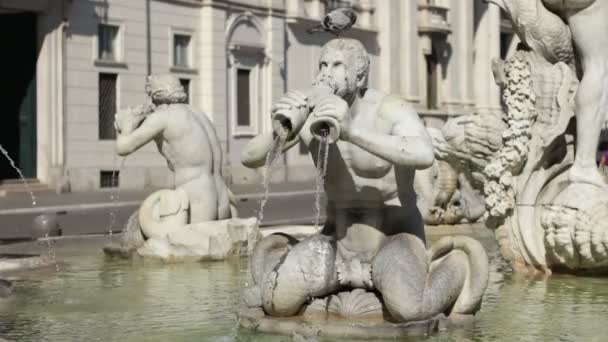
[(165, 89), (357, 51)]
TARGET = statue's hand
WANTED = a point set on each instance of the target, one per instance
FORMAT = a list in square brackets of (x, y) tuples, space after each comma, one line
[(291, 110), (335, 107), (126, 120)]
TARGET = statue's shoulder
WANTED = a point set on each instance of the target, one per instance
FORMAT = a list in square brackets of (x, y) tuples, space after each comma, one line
[(179, 110), (177, 115), (164, 109), (394, 106), (374, 95)]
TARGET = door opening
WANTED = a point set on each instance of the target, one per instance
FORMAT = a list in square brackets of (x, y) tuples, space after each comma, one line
[(18, 93)]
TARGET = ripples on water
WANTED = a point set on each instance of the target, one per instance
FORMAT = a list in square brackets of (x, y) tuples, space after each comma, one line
[(92, 299)]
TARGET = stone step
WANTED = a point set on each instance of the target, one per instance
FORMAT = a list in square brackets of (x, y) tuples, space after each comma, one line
[(17, 185)]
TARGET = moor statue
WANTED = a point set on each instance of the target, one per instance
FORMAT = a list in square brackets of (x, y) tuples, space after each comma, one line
[(373, 239)]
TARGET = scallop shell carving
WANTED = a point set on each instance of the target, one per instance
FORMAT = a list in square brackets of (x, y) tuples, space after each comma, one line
[(355, 304), (447, 182)]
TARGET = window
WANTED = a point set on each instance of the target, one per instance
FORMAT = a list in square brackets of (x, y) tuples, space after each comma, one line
[(243, 97), (107, 106), (109, 179), (181, 50), (106, 38), (186, 85), (245, 100)]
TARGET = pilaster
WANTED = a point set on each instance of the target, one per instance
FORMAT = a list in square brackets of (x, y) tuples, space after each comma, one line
[(487, 47)]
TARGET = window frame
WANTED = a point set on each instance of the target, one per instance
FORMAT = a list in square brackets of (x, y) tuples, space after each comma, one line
[(116, 100), (173, 32), (188, 90), (250, 78), (252, 63), (118, 43)]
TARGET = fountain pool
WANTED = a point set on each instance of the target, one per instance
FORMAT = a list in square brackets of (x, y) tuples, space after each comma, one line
[(96, 299)]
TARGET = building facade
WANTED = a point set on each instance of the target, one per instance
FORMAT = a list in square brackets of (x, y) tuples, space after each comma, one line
[(77, 61)]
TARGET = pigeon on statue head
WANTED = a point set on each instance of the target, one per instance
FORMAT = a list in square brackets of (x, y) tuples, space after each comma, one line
[(336, 21)]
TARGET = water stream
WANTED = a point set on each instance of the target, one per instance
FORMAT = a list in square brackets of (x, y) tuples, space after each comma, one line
[(322, 157), (51, 252), (25, 183), (271, 157), (115, 195), (47, 241)]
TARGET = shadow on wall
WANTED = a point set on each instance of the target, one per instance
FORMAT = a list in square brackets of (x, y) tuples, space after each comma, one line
[(368, 38), (302, 51), (84, 16)]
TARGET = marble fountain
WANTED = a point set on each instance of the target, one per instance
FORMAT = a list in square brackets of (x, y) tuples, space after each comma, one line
[(366, 271)]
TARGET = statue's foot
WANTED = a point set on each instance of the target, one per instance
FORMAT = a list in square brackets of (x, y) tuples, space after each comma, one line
[(592, 176)]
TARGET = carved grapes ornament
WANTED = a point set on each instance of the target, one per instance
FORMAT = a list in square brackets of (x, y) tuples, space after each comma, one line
[(520, 115)]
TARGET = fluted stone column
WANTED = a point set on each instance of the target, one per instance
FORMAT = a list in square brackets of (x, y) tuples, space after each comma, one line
[(389, 39), (458, 90), (465, 14), (212, 68), (50, 96), (486, 48)]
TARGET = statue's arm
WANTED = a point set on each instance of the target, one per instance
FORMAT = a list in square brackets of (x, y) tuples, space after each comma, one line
[(154, 124), (254, 154), (408, 143)]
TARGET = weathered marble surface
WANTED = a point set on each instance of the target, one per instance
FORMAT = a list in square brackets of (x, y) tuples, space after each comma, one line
[(211, 240)]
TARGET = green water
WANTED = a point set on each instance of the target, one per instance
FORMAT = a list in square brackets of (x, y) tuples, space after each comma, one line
[(92, 299)]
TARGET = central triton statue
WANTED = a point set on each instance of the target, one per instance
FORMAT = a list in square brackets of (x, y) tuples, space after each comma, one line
[(373, 240)]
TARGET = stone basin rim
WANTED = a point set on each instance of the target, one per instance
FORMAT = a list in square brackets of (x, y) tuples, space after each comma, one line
[(254, 319)]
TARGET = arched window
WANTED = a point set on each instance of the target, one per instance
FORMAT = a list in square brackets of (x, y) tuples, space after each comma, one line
[(246, 54)]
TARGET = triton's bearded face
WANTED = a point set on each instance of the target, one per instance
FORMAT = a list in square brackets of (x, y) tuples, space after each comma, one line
[(338, 72), (344, 66)]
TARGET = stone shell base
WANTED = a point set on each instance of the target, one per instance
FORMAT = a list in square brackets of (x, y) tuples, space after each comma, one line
[(212, 240), (256, 320)]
